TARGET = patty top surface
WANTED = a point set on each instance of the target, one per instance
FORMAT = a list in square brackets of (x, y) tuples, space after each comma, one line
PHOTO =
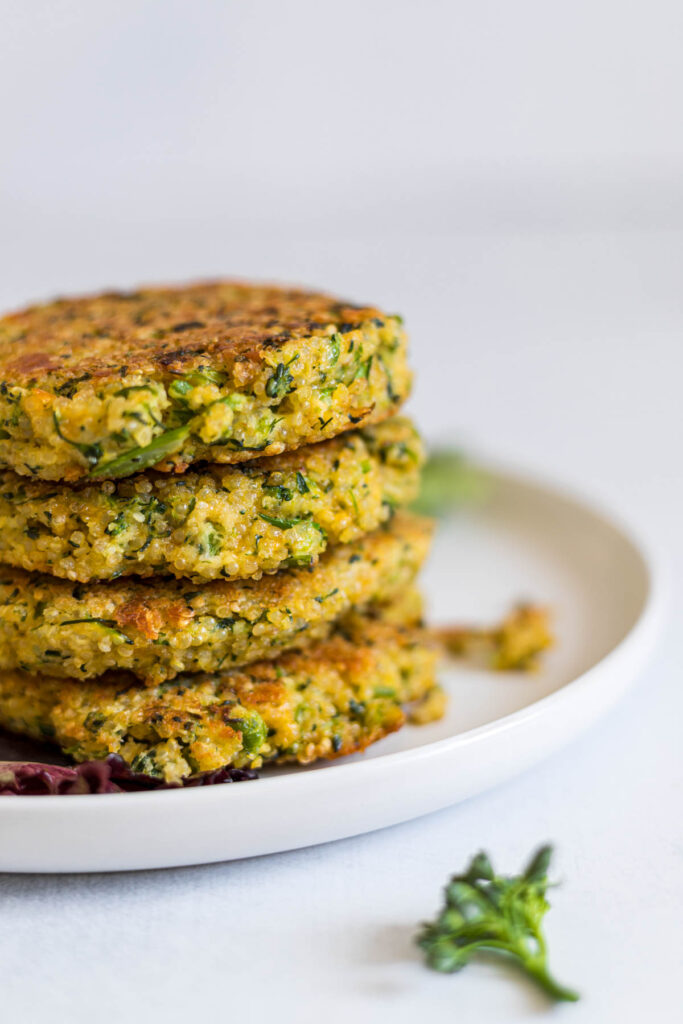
[(108, 386), (159, 330)]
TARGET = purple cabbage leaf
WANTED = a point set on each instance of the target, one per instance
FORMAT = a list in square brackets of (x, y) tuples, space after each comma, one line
[(112, 775)]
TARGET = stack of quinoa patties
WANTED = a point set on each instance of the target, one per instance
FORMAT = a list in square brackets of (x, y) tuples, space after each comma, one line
[(206, 562)]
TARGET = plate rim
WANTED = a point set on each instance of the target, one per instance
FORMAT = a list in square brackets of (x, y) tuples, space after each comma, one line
[(641, 635)]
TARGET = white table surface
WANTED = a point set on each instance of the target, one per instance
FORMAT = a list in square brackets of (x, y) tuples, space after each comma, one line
[(558, 352)]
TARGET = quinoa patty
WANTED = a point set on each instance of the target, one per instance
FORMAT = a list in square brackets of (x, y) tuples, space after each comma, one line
[(337, 697), (221, 521), (108, 385), (158, 629)]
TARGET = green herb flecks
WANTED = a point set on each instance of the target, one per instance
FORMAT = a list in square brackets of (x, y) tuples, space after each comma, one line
[(143, 456), (485, 912), (335, 348), (145, 763), (278, 491), (363, 370), (152, 415), (91, 452), (94, 721), (180, 388), (254, 732), (132, 389), (392, 394), (152, 509), (205, 375), (117, 525), (134, 414), (213, 540), (108, 625), (235, 445), (301, 484), (69, 388), (281, 383), (281, 522)]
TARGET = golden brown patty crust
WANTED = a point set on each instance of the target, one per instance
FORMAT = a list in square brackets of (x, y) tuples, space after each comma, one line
[(159, 628), (335, 698), (231, 522), (108, 385)]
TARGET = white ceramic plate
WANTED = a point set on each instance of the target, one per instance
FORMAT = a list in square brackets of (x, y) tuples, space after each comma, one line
[(526, 541)]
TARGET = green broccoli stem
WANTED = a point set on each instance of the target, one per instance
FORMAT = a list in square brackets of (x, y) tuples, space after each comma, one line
[(534, 967), (540, 974)]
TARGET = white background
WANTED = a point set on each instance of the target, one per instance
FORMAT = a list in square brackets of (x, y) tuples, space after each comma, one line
[(509, 176)]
